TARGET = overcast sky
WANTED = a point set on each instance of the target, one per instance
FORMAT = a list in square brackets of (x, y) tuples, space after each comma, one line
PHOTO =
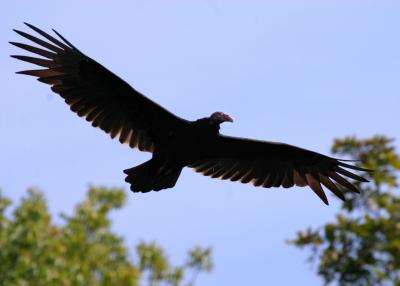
[(301, 72)]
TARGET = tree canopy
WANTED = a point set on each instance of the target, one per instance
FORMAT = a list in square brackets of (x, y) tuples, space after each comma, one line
[(362, 246), (83, 250)]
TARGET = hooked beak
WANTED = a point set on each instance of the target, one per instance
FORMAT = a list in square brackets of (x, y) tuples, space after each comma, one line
[(227, 118)]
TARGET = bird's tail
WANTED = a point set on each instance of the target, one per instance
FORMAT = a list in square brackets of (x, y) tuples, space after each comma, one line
[(151, 176)]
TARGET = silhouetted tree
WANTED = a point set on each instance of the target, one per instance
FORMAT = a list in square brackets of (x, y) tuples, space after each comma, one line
[(362, 246)]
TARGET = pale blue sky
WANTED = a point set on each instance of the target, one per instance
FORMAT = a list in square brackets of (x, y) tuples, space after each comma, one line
[(301, 72)]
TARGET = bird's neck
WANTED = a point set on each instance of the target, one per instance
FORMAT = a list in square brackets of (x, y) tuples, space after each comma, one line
[(208, 125)]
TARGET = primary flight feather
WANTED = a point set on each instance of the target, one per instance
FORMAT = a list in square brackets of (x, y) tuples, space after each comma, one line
[(108, 102)]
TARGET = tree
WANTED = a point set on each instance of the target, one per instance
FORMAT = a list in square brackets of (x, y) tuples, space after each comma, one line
[(82, 251), (362, 246)]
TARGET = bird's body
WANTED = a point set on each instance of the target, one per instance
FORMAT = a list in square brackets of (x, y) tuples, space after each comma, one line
[(183, 146), (187, 144), (108, 102)]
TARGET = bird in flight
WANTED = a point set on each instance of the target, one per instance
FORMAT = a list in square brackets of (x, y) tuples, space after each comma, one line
[(108, 102)]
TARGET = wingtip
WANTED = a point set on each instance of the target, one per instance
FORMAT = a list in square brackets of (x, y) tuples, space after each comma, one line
[(326, 202), (343, 199), (27, 72), (30, 26), (19, 32), (340, 163), (348, 160), (322, 196), (65, 40), (57, 33)]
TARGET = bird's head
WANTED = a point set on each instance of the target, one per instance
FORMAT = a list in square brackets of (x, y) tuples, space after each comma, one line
[(220, 117)]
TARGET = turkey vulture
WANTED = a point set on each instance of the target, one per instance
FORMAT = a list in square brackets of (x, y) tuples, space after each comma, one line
[(108, 102)]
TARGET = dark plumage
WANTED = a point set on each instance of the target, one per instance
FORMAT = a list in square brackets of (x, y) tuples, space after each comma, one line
[(108, 102)]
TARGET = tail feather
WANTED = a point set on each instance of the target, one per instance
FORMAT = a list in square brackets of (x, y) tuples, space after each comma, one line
[(151, 176), (167, 180)]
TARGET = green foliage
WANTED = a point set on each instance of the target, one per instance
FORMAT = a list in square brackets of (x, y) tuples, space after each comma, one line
[(83, 250), (362, 246)]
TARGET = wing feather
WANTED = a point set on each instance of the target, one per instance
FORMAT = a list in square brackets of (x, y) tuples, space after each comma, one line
[(270, 164), (95, 93), (35, 50), (269, 181), (316, 187), (331, 186)]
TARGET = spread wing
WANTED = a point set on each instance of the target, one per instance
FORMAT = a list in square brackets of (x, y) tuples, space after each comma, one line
[(95, 93), (269, 164)]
